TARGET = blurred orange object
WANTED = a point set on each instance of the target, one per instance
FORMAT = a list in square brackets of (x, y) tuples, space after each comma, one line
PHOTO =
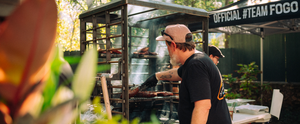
[(26, 44)]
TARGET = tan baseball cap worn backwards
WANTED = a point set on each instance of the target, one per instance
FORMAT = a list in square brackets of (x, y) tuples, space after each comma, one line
[(177, 33)]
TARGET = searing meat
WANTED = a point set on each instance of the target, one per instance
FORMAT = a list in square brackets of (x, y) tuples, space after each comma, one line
[(153, 94), (146, 94), (101, 51), (116, 52), (135, 92), (152, 53), (112, 51), (132, 92), (144, 51), (164, 93)]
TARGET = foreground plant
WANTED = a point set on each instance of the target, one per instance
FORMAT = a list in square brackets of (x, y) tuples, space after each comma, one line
[(30, 68), (26, 45), (34, 87)]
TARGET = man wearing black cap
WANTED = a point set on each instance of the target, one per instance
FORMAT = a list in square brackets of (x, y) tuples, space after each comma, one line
[(215, 54)]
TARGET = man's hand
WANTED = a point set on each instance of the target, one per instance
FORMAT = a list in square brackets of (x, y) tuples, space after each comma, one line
[(150, 82)]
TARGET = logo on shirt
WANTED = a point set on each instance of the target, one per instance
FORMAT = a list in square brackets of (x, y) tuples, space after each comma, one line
[(221, 94)]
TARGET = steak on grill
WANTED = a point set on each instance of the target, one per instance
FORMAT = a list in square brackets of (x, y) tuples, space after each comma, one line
[(144, 51)]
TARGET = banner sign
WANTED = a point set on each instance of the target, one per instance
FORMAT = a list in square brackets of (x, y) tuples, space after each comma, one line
[(273, 11)]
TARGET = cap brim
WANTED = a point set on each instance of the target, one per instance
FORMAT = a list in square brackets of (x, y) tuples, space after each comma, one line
[(160, 38)]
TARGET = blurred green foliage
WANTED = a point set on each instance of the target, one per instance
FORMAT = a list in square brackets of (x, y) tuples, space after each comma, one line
[(245, 87)]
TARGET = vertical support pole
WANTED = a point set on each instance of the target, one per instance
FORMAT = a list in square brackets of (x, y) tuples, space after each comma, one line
[(108, 45), (261, 63), (107, 19), (94, 19), (205, 35), (82, 36), (125, 88), (152, 48), (129, 50), (171, 101)]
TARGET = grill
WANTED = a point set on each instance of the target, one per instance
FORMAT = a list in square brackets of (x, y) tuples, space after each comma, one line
[(110, 27)]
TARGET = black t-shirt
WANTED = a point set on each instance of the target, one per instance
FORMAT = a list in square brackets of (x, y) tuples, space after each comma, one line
[(201, 79)]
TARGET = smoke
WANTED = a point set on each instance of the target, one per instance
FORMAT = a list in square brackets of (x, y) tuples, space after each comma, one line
[(139, 68), (132, 9)]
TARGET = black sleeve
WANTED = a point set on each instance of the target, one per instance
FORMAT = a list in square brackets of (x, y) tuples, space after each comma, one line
[(198, 82), (179, 71)]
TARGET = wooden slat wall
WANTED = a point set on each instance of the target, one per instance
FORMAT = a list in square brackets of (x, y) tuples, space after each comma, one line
[(244, 49), (292, 57), (225, 64), (274, 58)]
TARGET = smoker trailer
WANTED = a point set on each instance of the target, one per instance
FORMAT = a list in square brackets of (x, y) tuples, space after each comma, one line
[(111, 27)]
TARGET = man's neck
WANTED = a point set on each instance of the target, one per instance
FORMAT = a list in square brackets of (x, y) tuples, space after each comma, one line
[(185, 55)]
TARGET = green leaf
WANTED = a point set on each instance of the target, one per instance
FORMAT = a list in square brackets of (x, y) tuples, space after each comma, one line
[(63, 94), (84, 78), (124, 121), (135, 120), (58, 60), (240, 65), (61, 114), (154, 119), (101, 68), (225, 76), (49, 91), (97, 106), (116, 118), (73, 59), (96, 100)]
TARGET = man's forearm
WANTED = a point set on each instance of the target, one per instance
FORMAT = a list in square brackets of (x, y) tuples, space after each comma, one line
[(200, 112), (170, 75)]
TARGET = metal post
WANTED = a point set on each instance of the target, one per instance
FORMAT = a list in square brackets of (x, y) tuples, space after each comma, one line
[(108, 46), (82, 36), (125, 102), (129, 49), (261, 63), (205, 35), (94, 32), (152, 48), (171, 101), (107, 19)]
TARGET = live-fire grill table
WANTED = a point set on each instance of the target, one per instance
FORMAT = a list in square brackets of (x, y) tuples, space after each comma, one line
[(110, 27)]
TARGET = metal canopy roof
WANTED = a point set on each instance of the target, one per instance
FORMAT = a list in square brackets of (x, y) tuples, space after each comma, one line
[(170, 7), (248, 17), (142, 11), (176, 18)]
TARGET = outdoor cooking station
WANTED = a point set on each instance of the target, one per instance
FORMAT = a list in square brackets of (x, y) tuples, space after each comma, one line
[(109, 28)]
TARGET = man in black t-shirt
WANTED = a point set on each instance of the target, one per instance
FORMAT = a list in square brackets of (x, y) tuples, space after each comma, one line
[(201, 94)]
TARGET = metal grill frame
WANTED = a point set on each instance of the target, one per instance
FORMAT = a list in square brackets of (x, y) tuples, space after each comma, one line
[(193, 14)]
